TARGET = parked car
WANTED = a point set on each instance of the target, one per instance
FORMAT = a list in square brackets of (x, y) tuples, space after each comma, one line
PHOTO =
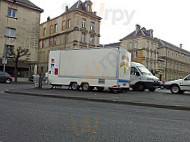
[(178, 86), (5, 78)]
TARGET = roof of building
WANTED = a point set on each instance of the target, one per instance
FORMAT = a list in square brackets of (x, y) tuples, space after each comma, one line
[(117, 44), (78, 5), (166, 44), (142, 32), (29, 4)]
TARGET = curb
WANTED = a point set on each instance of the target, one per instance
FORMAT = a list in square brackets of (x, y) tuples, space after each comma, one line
[(103, 101)]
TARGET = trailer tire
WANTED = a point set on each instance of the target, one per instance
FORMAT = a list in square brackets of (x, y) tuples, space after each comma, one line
[(100, 89), (74, 86), (85, 87), (91, 88), (152, 89)]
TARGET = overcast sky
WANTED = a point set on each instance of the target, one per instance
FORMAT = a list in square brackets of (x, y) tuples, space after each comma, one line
[(170, 19)]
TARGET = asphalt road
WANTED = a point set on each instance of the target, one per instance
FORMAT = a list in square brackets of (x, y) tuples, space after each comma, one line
[(36, 119)]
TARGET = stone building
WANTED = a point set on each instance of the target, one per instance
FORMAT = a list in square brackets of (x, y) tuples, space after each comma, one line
[(77, 27), (143, 47), (163, 59), (176, 60), (19, 27)]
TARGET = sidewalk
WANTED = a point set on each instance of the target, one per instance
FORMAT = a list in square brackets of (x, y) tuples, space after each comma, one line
[(158, 99)]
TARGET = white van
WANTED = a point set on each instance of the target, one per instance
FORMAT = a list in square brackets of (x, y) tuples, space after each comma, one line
[(142, 78)]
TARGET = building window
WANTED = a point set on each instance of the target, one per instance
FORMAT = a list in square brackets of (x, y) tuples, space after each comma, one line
[(10, 48), (151, 45), (50, 42), (68, 38), (55, 28), (69, 23), (10, 32), (83, 38), (130, 45), (92, 40), (92, 26), (12, 13), (54, 41), (89, 7), (63, 25), (83, 23), (135, 54), (44, 32), (147, 44), (51, 29), (43, 43), (136, 45)]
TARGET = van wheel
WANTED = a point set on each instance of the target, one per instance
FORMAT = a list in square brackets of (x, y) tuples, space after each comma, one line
[(175, 89), (140, 87), (7, 81), (85, 87), (74, 86), (100, 89)]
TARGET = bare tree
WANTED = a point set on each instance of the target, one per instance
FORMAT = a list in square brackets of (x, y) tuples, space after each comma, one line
[(15, 55)]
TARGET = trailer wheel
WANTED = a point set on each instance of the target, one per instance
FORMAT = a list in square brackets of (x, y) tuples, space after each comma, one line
[(100, 89), (91, 88), (74, 86), (85, 87), (152, 89)]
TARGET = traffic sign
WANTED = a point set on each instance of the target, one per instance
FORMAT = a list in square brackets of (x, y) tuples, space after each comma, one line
[(4, 60)]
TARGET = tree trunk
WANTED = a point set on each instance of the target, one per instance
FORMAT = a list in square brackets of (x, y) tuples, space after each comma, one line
[(16, 69)]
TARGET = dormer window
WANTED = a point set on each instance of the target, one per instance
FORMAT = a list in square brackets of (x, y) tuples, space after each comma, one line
[(89, 7)]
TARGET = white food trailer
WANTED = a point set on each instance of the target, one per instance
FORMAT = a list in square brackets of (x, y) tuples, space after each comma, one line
[(90, 68)]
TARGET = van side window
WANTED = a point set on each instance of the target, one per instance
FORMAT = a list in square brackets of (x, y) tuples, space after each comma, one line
[(188, 78), (133, 71)]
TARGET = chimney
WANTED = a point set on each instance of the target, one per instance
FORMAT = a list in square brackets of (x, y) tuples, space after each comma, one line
[(66, 8), (151, 33), (138, 27), (48, 18), (181, 46)]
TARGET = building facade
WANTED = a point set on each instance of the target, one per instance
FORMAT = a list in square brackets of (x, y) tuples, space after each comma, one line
[(163, 59), (176, 60), (19, 27), (143, 48), (77, 27)]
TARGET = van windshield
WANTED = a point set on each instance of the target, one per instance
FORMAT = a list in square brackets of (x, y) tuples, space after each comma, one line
[(144, 71)]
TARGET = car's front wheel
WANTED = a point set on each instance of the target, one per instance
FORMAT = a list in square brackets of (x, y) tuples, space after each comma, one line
[(7, 81), (175, 89)]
